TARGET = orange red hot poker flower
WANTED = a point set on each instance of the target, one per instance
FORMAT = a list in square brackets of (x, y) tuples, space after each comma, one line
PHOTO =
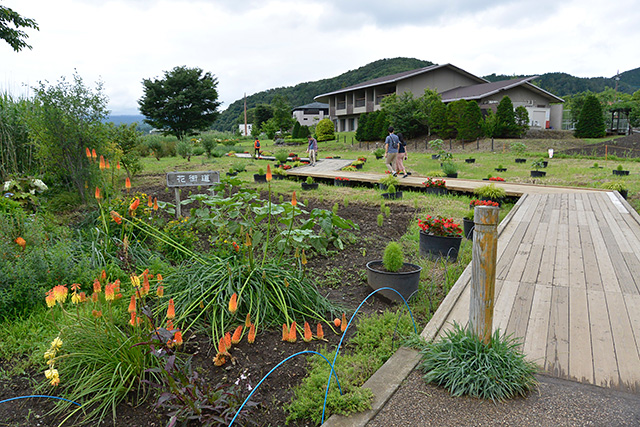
[(233, 303)]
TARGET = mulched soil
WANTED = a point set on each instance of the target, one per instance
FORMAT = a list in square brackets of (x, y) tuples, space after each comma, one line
[(346, 285), (626, 146)]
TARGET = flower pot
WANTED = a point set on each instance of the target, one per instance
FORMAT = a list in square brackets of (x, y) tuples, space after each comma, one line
[(521, 160), (359, 166), (470, 160), (501, 169), (545, 163), (452, 175), (435, 156), (618, 172), (378, 157), (490, 199), (312, 186), (624, 193), (468, 226), (392, 196), (436, 247), (405, 282), (232, 173), (538, 174), (440, 191), (341, 183), (259, 178)]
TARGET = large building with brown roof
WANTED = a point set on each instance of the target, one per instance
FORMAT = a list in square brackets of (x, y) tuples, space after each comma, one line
[(452, 83)]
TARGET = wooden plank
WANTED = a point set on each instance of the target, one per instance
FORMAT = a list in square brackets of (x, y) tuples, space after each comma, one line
[(624, 342), (545, 275), (576, 263), (504, 304), (633, 309), (580, 357), (521, 311), (593, 281), (557, 353), (608, 275), (535, 342), (605, 365)]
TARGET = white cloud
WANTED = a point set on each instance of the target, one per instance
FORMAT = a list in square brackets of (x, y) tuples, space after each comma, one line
[(252, 46)]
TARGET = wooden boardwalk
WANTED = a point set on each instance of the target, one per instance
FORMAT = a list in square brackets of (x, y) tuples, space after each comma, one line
[(568, 285)]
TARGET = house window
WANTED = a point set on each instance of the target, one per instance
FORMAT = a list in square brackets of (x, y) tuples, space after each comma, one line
[(341, 105), (360, 102)]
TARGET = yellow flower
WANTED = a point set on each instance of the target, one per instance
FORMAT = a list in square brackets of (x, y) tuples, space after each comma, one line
[(56, 343), (51, 373), (75, 298)]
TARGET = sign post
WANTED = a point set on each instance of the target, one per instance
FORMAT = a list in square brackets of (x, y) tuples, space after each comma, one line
[(177, 180)]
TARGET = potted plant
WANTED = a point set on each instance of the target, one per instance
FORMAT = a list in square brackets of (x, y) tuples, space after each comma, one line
[(364, 159), (261, 176), (341, 182), (596, 166), (391, 193), (439, 237), (388, 180), (281, 156), (435, 186), (232, 171), (496, 178), (537, 165), (379, 153), (450, 169), (358, 164), (470, 160), (500, 168), (619, 186), (309, 184), (393, 272), (436, 144), (619, 171), (491, 192), (519, 148), (467, 224), (279, 173)]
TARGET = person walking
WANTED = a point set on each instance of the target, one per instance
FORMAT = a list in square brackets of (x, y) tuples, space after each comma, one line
[(391, 144), (402, 156), (312, 149), (256, 147)]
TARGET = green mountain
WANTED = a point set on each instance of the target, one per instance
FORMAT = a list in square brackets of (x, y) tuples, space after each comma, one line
[(303, 93)]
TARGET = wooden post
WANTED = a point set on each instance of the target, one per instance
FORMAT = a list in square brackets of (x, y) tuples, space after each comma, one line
[(483, 268), (177, 193)]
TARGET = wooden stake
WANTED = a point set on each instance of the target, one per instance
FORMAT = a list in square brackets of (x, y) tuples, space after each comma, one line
[(483, 267)]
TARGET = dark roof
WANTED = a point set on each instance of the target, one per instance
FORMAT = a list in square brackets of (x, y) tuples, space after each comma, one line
[(318, 105), (393, 78), (483, 90)]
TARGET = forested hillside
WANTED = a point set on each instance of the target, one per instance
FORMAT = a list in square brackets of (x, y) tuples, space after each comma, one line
[(303, 93)]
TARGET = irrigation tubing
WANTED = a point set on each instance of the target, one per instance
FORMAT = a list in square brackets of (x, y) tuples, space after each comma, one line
[(276, 367), (40, 395), (415, 330)]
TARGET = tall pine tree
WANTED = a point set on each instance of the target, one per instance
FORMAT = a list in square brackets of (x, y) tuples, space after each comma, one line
[(591, 120)]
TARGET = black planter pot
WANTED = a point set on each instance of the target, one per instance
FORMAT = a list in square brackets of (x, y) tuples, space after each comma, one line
[(435, 190), (341, 183), (436, 247), (406, 283), (259, 178), (545, 163), (622, 173), (279, 177), (470, 160), (383, 187), (232, 173), (468, 226), (452, 175), (379, 157), (521, 160), (359, 166), (312, 186), (435, 156), (624, 193), (501, 169), (392, 196), (538, 174)]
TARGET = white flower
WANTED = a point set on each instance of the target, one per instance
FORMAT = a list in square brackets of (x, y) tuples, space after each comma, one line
[(6, 185), (39, 185)]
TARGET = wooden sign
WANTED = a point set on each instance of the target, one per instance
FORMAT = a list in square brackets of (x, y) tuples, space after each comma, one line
[(190, 179)]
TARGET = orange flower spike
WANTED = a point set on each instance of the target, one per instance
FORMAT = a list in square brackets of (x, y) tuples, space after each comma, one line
[(219, 360), (103, 275), (159, 277), (75, 287), (227, 340), (132, 304), (94, 297), (145, 285), (97, 194), (107, 165), (83, 297), (269, 176), (160, 291), (116, 217), (247, 320), (177, 337), (169, 325), (252, 334), (155, 203), (171, 310), (294, 202), (233, 303), (285, 332), (50, 299), (222, 346), (127, 183), (21, 242), (319, 331), (343, 325), (96, 313), (337, 322), (93, 154), (237, 335), (118, 165), (307, 332), (97, 288), (293, 333), (102, 164), (88, 153), (60, 292), (133, 206), (109, 292), (150, 202), (132, 322)]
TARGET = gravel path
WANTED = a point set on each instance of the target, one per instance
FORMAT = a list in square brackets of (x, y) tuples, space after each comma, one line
[(556, 403)]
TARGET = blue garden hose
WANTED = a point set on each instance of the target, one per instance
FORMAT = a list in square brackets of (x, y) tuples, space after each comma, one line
[(40, 395)]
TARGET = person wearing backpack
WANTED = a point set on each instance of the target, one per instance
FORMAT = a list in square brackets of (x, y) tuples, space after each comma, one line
[(256, 147), (391, 144)]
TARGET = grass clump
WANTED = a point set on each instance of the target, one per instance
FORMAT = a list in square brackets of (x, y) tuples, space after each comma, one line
[(464, 365), (393, 258)]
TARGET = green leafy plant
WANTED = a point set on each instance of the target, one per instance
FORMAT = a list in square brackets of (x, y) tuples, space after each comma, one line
[(595, 166), (436, 144), (309, 180), (490, 191), (378, 152), (619, 168), (615, 185), (389, 180), (469, 214), (519, 148), (357, 163), (350, 168), (261, 171), (281, 156), (393, 258), (538, 164), (464, 365), (380, 219), (391, 189), (449, 168)]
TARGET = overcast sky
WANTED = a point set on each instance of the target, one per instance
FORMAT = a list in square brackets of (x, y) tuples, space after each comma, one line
[(252, 45)]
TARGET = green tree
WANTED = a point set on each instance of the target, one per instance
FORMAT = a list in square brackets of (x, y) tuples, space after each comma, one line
[(363, 127), (261, 113), (591, 121), (634, 115), (282, 114), (68, 119), (455, 112), (522, 120), (16, 151), (507, 127), (10, 24), (490, 124), (470, 127), (295, 133), (438, 119), (426, 105), (404, 114), (304, 131), (181, 103), (127, 139), (325, 130)]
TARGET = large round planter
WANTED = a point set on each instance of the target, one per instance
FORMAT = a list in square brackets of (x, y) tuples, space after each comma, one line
[(440, 191), (312, 186), (436, 247), (259, 178), (359, 166), (341, 183), (501, 169), (624, 193), (404, 282), (521, 160), (378, 157), (538, 174), (392, 196), (470, 160), (468, 226), (545, 163), (452, 175), (232, 173), (435, 156), (617, 172)]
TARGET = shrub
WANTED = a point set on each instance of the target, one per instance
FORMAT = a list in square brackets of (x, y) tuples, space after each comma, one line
[(463, 364), (615, 185), (309, 180), (281, 156), (325, 130), (391, 189), (519, 148), (490, 191), (183, 148), (393, 258), (591, 120), (449, 168)]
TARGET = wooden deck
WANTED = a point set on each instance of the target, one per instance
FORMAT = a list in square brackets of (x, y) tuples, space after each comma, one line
[(568, 285)]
